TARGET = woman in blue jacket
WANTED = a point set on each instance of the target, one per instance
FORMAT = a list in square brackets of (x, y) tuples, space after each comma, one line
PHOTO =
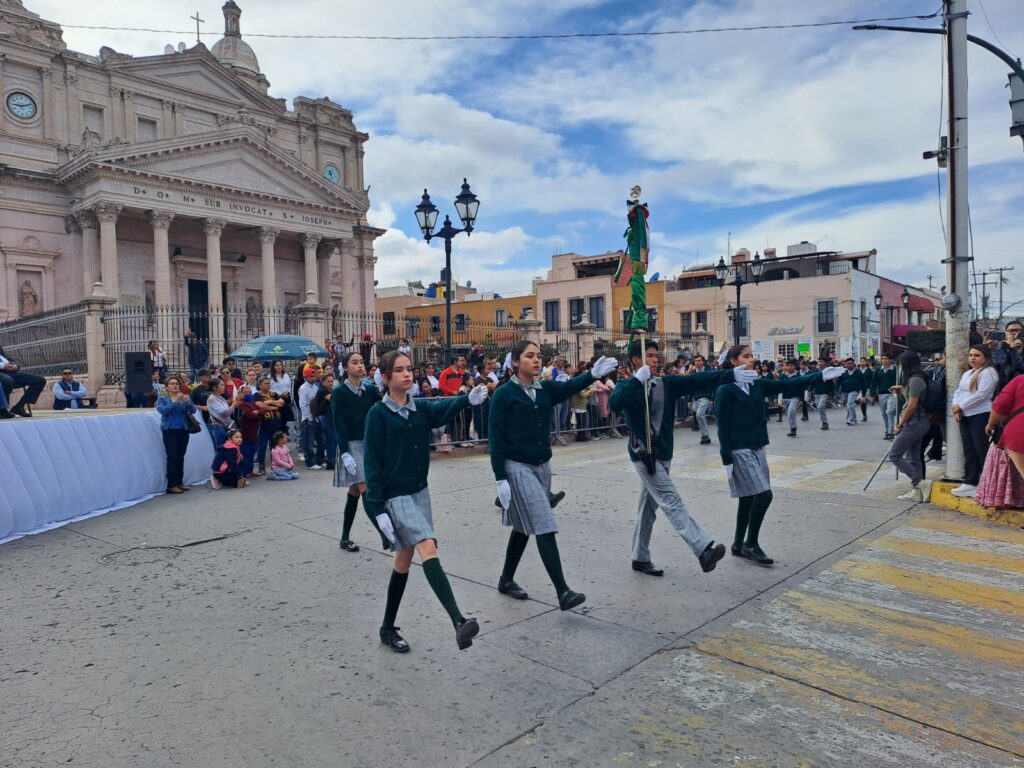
[(173, 408)]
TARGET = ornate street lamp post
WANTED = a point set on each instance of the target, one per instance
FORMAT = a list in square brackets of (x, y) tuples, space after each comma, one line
[(466, 206), (741, 273)]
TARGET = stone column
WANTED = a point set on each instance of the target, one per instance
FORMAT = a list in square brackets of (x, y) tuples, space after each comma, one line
[(213, 229), (107, 214), (48, 104), (161, 221), (366, 262), (323, 268), (167, 122), (74, 228), (530, 328), (90, 249), (585, 338), (309, 245), (268, 235), (96, 362), (131, 123), (3, 58)]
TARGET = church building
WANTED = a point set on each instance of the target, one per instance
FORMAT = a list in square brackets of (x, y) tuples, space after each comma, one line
[(172, 180)]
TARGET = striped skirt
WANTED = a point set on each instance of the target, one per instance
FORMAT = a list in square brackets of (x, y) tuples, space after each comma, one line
[(530, 509), (412, 518), (342, 477), (749, 473)]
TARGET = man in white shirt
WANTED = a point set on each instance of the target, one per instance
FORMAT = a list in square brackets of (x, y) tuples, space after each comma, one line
[(311, 435), (12, 377)]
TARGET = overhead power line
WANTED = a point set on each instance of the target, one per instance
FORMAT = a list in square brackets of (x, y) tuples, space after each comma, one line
[(553, 36)]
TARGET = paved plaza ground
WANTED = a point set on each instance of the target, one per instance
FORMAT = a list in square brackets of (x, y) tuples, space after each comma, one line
[(886, 635)]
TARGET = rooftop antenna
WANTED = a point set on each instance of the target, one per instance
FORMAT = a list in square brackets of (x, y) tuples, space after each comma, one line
[(198, 21), (728, 246)]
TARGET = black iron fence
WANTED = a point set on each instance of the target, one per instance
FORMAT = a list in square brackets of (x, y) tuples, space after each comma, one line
[(46, 342)]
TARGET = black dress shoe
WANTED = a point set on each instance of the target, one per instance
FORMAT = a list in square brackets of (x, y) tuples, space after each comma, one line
[(647, 567), (736, 551), (20, 410), (465, 632), (554, 498), (710, 556), (348, 545), (824, 427), (513, 590), (791, 433), (569, 600), (705, 440), (5, 414), (393, 640), (756, 554)]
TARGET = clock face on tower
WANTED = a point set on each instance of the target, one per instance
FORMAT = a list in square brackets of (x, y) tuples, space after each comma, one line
[(331, 173), (21, 105)]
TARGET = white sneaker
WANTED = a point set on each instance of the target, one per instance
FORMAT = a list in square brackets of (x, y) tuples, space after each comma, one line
[(914, 494), (316, 466), (301, 457), (965, 491)]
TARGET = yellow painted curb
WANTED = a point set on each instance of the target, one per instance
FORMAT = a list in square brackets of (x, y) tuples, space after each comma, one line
[(940, 496)]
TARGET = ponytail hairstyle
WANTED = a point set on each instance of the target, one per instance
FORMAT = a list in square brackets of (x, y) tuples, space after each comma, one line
[(517, 352), (983, 350), (732, 355)]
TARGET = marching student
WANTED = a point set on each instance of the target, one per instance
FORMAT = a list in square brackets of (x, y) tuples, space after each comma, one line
[(867, 373), (851, 389), (791, 403), (822, 391), (645, 401), (702, 401), (397, 458), (884, 379), (520, 449), (742, 437), (350, 404)]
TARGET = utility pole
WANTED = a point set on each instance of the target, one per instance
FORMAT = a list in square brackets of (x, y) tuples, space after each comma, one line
[(1002, 282), (983, 296), (958, 318)]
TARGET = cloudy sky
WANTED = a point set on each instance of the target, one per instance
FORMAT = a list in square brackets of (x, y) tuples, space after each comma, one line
[(776, 136)]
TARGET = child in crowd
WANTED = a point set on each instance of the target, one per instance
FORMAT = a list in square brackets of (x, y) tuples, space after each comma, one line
[(227, 463), (281, 465)]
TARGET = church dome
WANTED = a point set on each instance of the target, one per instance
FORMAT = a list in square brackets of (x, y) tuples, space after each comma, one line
[(231, 50)]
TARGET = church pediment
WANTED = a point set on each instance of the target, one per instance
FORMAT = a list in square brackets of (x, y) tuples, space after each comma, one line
[(230, 160), (196, 71)]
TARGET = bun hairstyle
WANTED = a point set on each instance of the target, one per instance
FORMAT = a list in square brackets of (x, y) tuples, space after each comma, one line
[(386, 364), (732, 355)]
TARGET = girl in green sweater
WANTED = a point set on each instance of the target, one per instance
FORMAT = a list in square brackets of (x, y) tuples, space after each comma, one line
[(397, 457), (350, 402), (742, 436)]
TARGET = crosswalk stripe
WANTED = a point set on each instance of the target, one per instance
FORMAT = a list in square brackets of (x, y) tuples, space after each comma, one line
[(963, 527), (943, 552)]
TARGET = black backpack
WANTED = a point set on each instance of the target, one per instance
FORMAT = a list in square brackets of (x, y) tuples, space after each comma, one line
[(934, 399)]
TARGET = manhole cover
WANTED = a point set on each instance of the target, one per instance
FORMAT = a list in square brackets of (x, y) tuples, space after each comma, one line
[(138, 555)]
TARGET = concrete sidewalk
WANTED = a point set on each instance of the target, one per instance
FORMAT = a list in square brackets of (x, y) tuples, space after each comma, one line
[(260, 649)]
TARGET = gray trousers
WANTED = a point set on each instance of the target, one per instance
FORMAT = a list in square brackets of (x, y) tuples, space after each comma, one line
[(658, 490), (702, 416), (887, 405), (905, 452), (851, 406), (821, 403), (791, 403)]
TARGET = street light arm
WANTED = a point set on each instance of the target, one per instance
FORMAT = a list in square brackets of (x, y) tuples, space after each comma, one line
[(1007, 59)]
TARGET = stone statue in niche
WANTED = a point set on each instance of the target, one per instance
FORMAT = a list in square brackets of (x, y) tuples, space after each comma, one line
[(29, 299), (150, 303), (252, 316)]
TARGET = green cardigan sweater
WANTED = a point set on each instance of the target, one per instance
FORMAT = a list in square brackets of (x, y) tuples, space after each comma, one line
[(883, 380), (519, 428), (628, 399), (740, 415), (397, 450), (348, 412)]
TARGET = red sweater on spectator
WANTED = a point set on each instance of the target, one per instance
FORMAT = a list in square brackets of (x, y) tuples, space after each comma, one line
[(248, 417), (450, 381)]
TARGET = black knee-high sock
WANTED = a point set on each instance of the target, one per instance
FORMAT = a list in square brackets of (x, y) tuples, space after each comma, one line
[(761, 503), (438, 582), (517, 542), (742, 519), (384, 543), (396, 588), (350, 515), (864, 409), (548, 548)]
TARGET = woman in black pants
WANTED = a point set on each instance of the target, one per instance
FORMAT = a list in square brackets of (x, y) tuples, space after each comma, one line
[(173, 408), (972, 403)]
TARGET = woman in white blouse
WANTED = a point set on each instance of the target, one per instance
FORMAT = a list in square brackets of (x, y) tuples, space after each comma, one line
[(972, 403)]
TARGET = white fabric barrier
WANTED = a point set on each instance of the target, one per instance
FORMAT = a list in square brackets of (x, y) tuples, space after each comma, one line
[(56, 471)]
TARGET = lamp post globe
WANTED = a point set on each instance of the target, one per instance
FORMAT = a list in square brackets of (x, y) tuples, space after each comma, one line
[(721, 271), (426, 215), (878, 299), (757, 266), (466, 205)]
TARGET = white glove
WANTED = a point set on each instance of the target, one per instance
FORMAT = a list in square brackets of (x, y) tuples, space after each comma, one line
[(728, 471), (504, 494), (603, 367), (478, 394), (744, 375), (384, 522), (643, 373), (507, 365), (832, 372), (349, 461), (379, 380), (723, 357)]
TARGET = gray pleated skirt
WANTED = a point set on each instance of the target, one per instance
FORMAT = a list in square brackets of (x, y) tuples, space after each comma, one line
[(412, 518), (749, 473), (342, 477), (530, 509)]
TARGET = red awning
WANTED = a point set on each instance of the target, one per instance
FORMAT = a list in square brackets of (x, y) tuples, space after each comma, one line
[(920, 304)]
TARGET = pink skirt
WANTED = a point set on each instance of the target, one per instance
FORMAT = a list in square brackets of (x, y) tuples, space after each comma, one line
[(1001, 484)]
